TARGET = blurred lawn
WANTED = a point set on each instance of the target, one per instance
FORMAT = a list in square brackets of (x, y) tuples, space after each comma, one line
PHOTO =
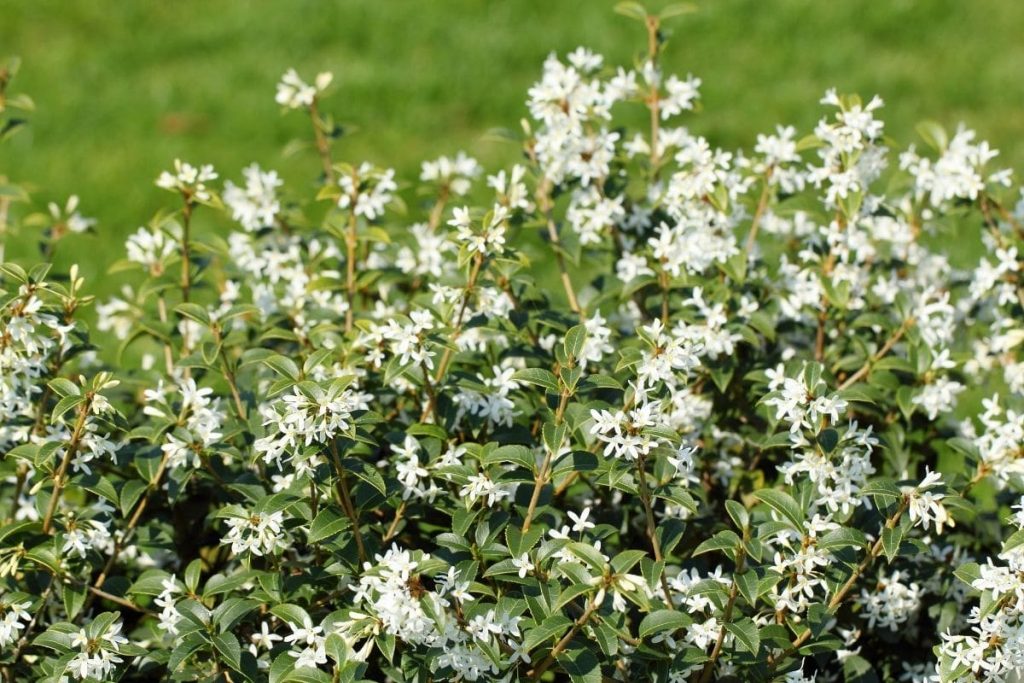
[(124, 88)]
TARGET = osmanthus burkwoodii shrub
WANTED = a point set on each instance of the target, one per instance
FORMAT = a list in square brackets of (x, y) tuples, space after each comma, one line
[(636, 408)]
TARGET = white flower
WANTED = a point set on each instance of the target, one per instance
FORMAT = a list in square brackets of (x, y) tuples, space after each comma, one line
[(294, 93), (256, 205), (264, 638), (523, 564), (188, 180), (580, 522), (259, 534), (924, 506)]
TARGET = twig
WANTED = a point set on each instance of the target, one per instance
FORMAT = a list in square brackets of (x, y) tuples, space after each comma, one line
[(140, 508), (542, 475), (346, 501), (393, 527), (563, 643), (734, 589), (544, 201), (652, 535), (323, 145), (841, 594), (877, 356), (762, 204), (654, 99), (442, 366), (69, 454)]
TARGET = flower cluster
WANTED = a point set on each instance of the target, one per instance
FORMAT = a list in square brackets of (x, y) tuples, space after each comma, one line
[(635, 408)]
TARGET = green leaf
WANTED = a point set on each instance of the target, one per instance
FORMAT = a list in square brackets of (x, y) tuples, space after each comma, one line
[(57, 637), (64, 405), (738, 513), (131, 491), (626, 560), (828, 439), (633, 10), (745, 632), (293, 614), (228, 648), (519, 542), (327, 524), (784, 504), (194, 312), (842, 538), (14, 271), (891, 539), (933, 134), (747, 583), (968, 572), (192, 573), (588, 554), (581, 664), (663, 620), (905, 401), (554, 435), (602, 382), (372, 476), (538, 376), (552, 627), (881, 488), (185, 648), (45, 555), (25, 451), (308, 674), (515, 454), (62, 386), (283, 366), (676, 10), (150, 582), (723, 540), (575, 338), (74, 598)]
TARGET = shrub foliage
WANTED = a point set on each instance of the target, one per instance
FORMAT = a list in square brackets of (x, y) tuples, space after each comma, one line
[(636, 408)]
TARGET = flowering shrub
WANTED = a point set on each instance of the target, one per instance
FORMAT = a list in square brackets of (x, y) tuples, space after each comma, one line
[(636, 408)]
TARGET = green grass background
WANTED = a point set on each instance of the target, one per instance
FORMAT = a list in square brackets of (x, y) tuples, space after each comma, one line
[(122, 88)]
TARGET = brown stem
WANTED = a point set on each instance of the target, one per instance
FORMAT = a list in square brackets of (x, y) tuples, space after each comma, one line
[(350, 267), (544, 473), (654, 100), (69, 454), (24, 640), (652, 535), (229, 376), (186, 250), (886, 348), (544, 200), (393, 527), (323, 145), (663, 282), (140, 508), (346, 501), (827, 268), (161, 307), (538, 485), (819, 336), (118, 601), (844, 590), (19, 485), (563, 643), (734, 589), (762, 204), (438, 211), (442, 366)]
